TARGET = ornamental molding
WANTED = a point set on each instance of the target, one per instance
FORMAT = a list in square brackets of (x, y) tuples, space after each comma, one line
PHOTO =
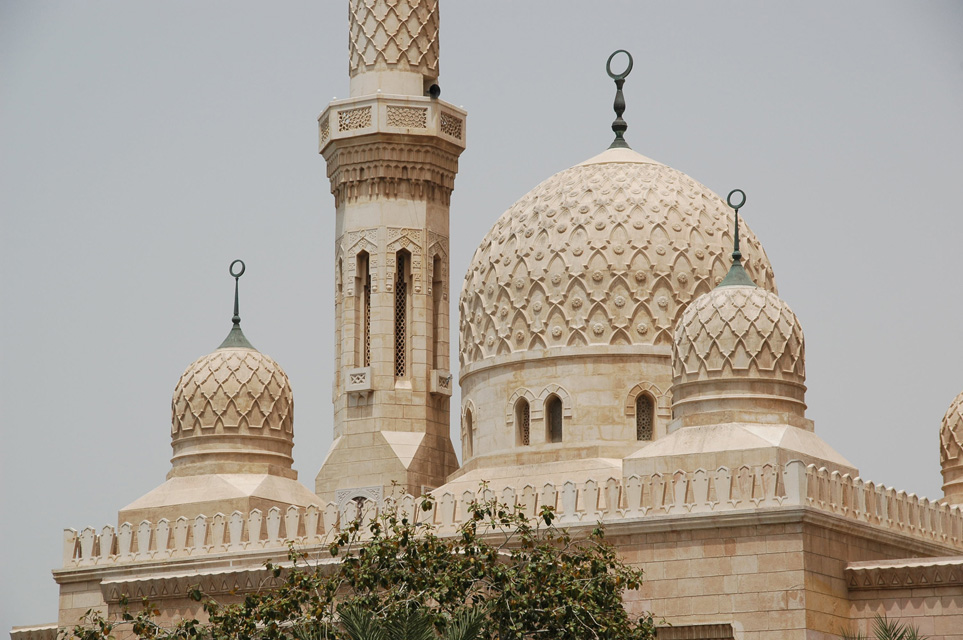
[(380, 169), (923, 573)]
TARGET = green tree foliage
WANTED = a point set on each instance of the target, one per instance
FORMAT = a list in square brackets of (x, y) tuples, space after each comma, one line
[(522, 579)]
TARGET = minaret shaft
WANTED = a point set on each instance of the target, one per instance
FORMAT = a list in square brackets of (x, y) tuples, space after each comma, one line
[(392, 155)]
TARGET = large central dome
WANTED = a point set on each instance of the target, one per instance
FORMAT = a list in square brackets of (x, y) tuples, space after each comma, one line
[(568, 311), (609, 251)]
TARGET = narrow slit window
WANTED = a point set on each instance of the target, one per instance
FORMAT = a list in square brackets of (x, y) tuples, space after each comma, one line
[(437, 289), (523, 423), (469, 436), (553, 414), (363, 317), (644, 410), (401, 314)]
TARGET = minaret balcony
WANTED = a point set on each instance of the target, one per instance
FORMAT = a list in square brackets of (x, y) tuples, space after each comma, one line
[(389, 114)]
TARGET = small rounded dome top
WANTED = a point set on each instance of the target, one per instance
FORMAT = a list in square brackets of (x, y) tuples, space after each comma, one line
[(951, 451), (607, 252), (233, 412), (738, 331)]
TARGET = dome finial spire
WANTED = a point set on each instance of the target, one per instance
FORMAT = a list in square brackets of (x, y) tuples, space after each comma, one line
[(737, 276), (236, 338), (619, 125), (237, 276)]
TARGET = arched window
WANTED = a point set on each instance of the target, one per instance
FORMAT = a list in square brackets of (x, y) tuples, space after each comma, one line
[(363, 315), (469, 436), (644, 416), (553, 418), (403, 262), (523, 422)]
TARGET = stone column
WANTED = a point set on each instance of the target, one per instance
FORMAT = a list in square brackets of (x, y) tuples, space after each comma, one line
[(392, 152)]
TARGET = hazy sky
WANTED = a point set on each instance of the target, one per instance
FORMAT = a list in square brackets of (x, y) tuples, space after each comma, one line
[(143, 146)]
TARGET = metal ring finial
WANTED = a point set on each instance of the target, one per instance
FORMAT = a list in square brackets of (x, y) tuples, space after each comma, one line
[(731, 203), (240, 273), (624, 74), (619, 125)]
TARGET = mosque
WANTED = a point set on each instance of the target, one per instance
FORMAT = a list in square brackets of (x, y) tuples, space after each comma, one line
[(624, 356)]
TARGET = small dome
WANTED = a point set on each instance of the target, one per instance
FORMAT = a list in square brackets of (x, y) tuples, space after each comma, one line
[(951, 452), (607, 252), (233, 412), (738, 331)]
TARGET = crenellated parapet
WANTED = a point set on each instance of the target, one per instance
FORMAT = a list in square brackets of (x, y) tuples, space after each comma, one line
[(704, 492)]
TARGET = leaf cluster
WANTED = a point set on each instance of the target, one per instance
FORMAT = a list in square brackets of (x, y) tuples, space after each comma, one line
[(521, 578)]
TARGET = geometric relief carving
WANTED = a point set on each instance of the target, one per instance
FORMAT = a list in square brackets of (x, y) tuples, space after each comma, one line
[(742, 331), (951, 434), (392, 170), (599, 254), (399, 33), (450, 125), (351, 119), (409, 117), (234, 389)]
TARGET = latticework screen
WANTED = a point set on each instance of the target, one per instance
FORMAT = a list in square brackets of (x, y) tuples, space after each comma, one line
[(367, 320), (643, 417), (401, 320), (524, 422)]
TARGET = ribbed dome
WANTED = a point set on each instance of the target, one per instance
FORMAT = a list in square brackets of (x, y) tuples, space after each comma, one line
[(739, 331), (607, 252), (951, 451), (233, 412)]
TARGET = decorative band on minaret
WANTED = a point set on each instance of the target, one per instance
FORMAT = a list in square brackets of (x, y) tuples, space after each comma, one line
[(392, 153)]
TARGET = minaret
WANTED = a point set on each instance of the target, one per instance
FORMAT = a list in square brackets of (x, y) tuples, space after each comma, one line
[(392, 152)]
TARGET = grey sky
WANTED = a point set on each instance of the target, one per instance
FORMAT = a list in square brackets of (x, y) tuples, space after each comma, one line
[(143, 146)]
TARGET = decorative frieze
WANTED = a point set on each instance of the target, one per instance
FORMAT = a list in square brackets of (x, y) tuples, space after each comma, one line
[(389, 170), (914, 573)]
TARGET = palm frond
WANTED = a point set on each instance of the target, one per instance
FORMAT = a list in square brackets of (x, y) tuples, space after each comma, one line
[(360, 624), (413, 625), (467, 624)]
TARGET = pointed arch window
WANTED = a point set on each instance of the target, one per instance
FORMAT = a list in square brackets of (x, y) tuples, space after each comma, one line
[(553, 419), (644, 416), (469, 436), (363, 315), (523, 422)]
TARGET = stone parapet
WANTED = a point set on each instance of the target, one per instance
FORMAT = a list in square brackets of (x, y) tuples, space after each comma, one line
[(745, 490), (35, 632)]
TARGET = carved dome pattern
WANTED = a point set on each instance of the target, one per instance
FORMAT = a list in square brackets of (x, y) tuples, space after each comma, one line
[(607, 252), (236, 389), (738, 331), (951, 434)]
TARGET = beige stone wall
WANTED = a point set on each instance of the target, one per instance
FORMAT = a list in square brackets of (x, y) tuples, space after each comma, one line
[(750, 576), (598, 398)]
